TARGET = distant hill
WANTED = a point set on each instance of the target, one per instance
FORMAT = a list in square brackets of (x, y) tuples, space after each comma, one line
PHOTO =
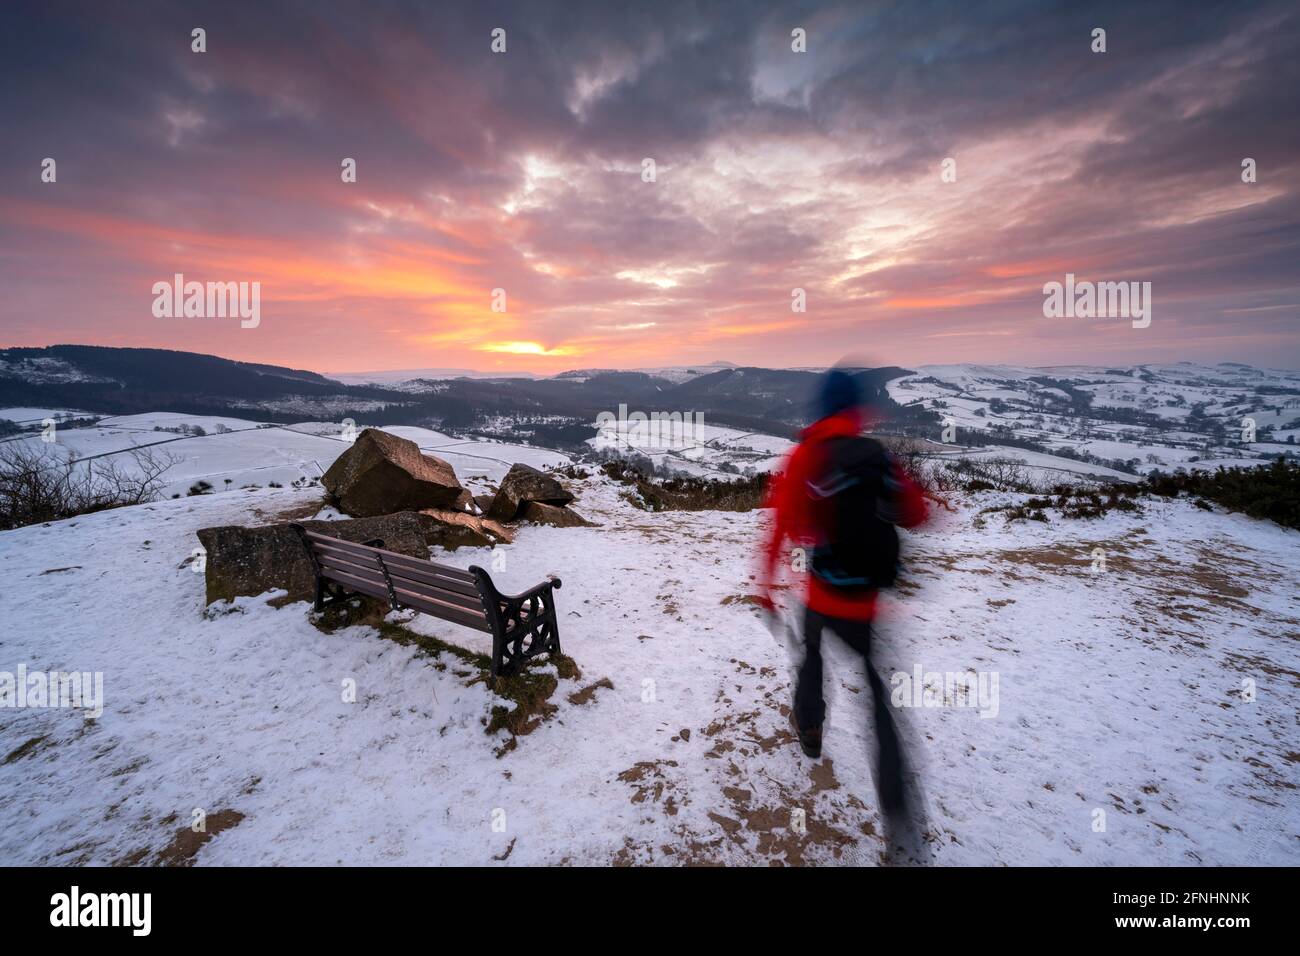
[(127, 381), (395, 377), (157, 369)]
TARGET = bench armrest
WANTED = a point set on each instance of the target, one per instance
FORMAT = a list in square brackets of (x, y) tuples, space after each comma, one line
[(551, 582), (523, 624)]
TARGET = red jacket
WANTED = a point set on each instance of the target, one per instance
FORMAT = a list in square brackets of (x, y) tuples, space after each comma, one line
[(792, 519)]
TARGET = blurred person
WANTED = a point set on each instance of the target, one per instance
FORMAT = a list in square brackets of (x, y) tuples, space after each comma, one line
[(838, 497)]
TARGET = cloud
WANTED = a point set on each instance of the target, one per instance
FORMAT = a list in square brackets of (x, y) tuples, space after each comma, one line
[(775, 171)]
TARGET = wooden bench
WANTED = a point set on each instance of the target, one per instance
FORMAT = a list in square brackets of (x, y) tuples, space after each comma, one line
[(521, 625)]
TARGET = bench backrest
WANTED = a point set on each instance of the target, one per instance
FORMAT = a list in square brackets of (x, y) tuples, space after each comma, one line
[(432, 588)]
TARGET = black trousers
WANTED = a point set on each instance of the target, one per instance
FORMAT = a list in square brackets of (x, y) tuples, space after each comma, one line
[(810, 706)]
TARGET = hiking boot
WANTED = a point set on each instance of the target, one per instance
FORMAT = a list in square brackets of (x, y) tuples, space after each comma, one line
[(810, 739)]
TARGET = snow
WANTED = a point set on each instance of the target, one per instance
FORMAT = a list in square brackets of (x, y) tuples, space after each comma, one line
[(1118, 691), (251, 452), (1115, 429), (692, 447), (27, 415), (1044, 467)]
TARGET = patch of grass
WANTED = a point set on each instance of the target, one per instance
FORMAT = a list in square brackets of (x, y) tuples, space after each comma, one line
[(571, 471), (1070, 502), (1271, 493), (531, 693), (185, 845), (1031, 510), (27, 748), (588, 693), (687, 493)]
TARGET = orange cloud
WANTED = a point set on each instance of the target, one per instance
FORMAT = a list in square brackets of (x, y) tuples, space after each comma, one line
[(934, 302), (1018, 270)]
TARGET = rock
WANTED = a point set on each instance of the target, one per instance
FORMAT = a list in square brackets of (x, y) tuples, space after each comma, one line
[(522, 484), (250, 561), (382, 474), (457, 529), (465, 502), (540, 513), (484, 502)]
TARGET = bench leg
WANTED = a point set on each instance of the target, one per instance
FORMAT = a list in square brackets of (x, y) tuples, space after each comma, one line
[(554, 626), (510, 630), (329, 593), (541, 632)]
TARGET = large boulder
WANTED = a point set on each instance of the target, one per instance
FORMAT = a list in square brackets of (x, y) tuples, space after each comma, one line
[(540, 513), (251, 561), (521, 485), (382, 474), (458, 529)]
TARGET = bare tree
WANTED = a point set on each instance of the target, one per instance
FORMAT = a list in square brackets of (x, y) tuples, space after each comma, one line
[(135, 484), (38, 484)]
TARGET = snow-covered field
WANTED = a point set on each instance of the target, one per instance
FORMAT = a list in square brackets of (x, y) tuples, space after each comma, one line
[(27, 415), (1119, 691), (234, 452), (1199, 416), (691, 447)]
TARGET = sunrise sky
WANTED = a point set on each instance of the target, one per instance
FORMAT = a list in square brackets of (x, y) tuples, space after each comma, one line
[(775, 170)]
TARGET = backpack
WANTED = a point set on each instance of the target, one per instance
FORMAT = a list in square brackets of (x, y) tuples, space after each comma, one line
[(853, 501)]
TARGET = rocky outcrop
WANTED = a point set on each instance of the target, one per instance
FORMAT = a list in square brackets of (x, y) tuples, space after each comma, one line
[(457, 529), (251, 561), (382, 474), (524, 484), (466, 502), (541, 513)]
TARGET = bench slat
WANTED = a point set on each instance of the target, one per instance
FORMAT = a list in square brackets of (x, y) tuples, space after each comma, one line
[(360, 585), (430, 572), (450, 579), (420, 602), (340, 545), (330, 564), (417, 581), (470, 602), (445, 611), (454, 575)]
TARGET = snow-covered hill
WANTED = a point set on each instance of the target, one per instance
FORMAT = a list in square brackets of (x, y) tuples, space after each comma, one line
[(1119, 691), (231, 453), (692, 448), (1149, 417)]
